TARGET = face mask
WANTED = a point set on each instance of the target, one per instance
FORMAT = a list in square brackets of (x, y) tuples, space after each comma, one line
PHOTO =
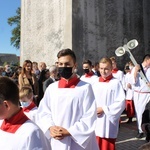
[(25, 104), (86, 70), (65, 72)]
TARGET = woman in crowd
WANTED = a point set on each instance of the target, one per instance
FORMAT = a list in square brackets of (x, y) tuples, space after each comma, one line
[(28, 78)]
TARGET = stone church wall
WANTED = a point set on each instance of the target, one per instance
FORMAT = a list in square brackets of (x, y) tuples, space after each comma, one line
[(91, 28)]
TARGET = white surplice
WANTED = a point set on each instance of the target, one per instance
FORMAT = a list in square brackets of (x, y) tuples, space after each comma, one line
[(90, 80), (27, 137), (111, 97), (32, 114), (73, 109), (141, 95), (129, 91), (120, 76)]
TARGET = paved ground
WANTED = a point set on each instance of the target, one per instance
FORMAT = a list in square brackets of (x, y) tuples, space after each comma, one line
[(126, 138)]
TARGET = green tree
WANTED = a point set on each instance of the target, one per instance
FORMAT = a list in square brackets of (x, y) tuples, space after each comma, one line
[(15, 21)]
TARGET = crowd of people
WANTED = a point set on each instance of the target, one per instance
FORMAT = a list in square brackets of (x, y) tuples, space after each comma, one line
[(56, 108)]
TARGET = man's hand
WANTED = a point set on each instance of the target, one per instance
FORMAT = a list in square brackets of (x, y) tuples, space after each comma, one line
[(58, 132), (99, 111), (129, 86), (137, 68)]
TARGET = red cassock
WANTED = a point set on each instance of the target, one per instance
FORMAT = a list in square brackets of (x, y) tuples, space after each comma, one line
[(130, 108), (105, 143)]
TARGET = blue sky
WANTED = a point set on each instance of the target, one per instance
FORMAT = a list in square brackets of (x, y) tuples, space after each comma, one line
[(7, 9)]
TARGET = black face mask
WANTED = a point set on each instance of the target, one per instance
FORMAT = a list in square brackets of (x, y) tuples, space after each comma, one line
[(65, 72), (86, 70)]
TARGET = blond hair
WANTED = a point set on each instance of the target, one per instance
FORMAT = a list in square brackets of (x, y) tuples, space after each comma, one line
[(26, 91), (106, 60)]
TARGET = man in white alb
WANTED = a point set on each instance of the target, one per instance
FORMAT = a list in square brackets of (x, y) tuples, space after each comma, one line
[(141, 90), (68, 110)]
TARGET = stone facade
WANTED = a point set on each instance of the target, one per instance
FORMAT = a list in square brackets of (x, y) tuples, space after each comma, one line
[(91, 28), (45, 29)]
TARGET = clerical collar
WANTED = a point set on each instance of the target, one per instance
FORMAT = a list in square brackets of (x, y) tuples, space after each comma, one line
[(71, 83), (107, 79), (115, 70), (89, 75), (12, 125), (30, 107)]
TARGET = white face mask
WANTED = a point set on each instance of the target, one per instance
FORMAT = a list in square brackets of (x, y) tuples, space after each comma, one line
[(25, 104)]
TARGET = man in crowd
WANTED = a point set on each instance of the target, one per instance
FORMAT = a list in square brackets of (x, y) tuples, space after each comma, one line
[(53, 77), (8, 71), (95, 69)]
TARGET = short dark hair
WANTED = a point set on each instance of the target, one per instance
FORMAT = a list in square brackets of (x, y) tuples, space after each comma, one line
[(113, 59), (146, 57), (65, 52), (87, 62), (9, 90), (96, 63)]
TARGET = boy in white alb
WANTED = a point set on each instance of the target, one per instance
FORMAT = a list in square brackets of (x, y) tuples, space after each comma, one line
[(27, 103), (110, 99), (68, 109), (89, 75), (17, 132)]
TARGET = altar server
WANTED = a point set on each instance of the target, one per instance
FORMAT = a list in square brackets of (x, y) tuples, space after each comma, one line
[(110, 99), (129, 92), (141, 90), (17, 132), (116, 72), (88, 75), (27, 102), (68, 109)]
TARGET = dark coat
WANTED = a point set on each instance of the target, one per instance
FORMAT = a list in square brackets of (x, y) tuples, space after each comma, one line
[(46, 83)]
